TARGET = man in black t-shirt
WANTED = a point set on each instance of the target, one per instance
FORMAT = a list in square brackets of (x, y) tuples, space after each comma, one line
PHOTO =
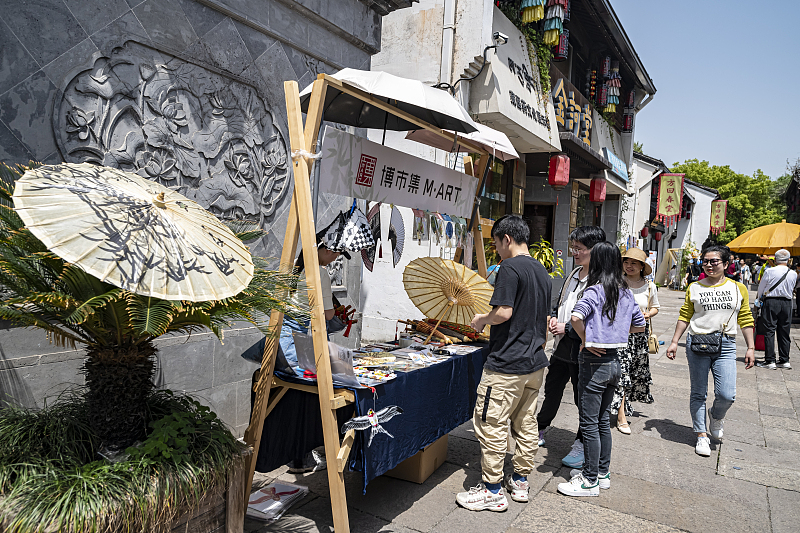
[(513, 372)]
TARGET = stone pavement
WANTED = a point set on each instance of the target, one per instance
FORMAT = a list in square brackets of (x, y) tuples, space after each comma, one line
[(750, 483)]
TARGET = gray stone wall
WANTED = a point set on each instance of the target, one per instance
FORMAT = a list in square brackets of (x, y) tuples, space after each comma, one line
[(187, 92)]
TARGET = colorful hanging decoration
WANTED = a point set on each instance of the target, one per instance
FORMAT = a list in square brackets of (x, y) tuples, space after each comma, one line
[(670, 192), (372, 421), (532, 10), (561, 51), (605, 70), (614, 84), (591, 84), (420, 226), (602, 96), (558, 174), (719, 216), (597, 190), (554, 21)]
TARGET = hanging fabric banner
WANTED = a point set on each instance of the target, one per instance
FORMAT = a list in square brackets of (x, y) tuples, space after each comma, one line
[(719, 216), (670, 195)]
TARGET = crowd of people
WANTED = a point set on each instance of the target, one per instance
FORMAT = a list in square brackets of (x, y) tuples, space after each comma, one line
[(600, 324)]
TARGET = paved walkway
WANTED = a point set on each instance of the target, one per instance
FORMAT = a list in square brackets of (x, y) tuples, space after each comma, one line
[(750, 483)]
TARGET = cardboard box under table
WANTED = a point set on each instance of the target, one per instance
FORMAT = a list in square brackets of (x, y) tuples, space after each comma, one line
[(422, 464)]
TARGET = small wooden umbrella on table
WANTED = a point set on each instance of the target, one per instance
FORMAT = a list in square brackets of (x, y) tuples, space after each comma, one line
[(445, 290)]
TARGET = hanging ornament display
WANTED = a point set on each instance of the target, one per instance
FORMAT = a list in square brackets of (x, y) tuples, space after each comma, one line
[(605, 70), (630, 101), (597, 190), (532, 10), (645, 232), (602, 96), (591, 84), (614, 84), (657, 236), (558, 174), (627, 118), (554, 21), (561, 51), (670, 192), (719, 215), (627, 123), (567, 10)]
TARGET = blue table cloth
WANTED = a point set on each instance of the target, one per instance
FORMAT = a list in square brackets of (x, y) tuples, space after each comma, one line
[(435, 400)]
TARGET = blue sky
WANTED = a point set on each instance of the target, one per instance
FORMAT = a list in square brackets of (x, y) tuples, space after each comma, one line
[(727, 74)]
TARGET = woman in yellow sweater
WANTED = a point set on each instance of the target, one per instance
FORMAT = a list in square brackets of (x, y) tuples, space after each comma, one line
[(713, 304)]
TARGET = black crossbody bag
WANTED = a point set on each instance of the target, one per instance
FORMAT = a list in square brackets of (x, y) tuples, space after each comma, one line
[(711, 343)]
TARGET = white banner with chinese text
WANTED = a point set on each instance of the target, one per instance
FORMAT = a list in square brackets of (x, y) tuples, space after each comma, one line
[(359, 168)]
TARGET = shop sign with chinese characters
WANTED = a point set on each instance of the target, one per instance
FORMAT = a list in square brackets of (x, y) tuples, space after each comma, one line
[(358, 168), (508, 96), (670, 194), (617, 165), (719, 214), (573, 113)]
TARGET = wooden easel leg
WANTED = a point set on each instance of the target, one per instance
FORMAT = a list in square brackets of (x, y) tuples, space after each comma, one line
[(330, 428), (252, 435)]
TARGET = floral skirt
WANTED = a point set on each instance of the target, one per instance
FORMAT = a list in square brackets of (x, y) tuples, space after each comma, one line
[(635, 381)]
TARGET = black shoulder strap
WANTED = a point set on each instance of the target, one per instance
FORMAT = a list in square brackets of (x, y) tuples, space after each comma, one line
[(778, 282)]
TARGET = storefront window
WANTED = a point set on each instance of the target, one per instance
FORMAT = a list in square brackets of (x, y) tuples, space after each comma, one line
[(493, 195)]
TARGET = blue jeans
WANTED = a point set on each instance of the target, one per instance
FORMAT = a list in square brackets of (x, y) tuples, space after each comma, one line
[(286, 349), (598, 379), (723, 368)]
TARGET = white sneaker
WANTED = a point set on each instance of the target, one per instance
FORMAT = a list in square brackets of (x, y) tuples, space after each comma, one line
[(604, 480), (480, 498), (715, 426), (574, 458), (764, 364), (518, 490), (785, 365), (703, 446), (578, 486), (541, 435)]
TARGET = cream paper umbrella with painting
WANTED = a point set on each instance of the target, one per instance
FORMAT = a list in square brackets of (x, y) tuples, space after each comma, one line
[(133, 233)]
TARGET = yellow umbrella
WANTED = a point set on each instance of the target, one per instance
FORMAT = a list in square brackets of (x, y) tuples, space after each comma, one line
[(132, 233), (768, 239), (445, 290)]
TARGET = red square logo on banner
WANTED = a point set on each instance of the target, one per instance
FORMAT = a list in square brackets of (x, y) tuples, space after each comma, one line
[(366, 170)]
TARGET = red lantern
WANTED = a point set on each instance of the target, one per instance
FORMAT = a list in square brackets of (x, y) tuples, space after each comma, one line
[(558, 176), (561, 50), (657, 236), (645, 233), (597, 190)]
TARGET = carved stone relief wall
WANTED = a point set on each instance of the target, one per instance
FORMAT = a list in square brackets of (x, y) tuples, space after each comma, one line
[(208, 136)]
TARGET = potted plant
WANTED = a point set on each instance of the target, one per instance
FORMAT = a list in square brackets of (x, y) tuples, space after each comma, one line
[(73, 466)]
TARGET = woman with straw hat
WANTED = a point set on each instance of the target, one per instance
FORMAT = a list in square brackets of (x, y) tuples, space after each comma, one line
[(634, 384)]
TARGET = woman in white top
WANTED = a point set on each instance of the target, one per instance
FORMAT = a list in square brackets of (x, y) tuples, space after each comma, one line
[(634, 385)]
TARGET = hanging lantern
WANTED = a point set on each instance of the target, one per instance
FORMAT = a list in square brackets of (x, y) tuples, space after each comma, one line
[(605, 71), (597, 190), (627, 123), (645, 233), (657, 236), (558, 175), (561, 51)]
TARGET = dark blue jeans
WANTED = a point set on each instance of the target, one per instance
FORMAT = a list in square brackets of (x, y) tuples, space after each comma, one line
[(598, 378)]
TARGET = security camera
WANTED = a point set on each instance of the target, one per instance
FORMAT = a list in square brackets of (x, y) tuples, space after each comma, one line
[(500, 38)]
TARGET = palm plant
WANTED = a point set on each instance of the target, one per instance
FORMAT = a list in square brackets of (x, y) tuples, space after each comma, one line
[(117, 327), (543, 252)]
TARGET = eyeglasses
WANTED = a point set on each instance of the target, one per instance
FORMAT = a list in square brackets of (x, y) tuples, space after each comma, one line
[(712, 262), (576, 251)]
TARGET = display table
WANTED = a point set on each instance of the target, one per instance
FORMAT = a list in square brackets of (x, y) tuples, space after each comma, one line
[(435, 400)]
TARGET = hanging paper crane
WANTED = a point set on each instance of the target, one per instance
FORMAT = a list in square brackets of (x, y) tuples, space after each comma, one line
[(372, 420)]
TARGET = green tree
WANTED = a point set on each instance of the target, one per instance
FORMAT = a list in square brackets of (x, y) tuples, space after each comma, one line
[(751, 199), (638, 147)]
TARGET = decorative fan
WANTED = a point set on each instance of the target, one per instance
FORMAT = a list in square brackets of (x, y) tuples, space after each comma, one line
[(374, 219), (397, 236)]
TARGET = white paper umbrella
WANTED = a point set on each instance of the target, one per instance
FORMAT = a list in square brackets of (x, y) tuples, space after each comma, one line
[(493, 141), (434, 106), (132, 233)]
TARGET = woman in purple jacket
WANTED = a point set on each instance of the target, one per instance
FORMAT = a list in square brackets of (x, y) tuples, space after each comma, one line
[(603, 318)]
